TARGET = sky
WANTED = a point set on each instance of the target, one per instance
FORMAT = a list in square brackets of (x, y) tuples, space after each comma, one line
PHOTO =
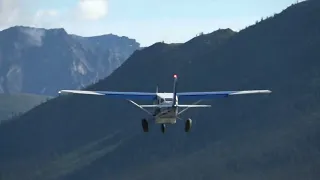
[(147, 21)]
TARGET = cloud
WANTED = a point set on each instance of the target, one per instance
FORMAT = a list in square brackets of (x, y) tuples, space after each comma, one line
[(92, 9), (19, 12), (72, 17), (48, 18), (9, 11)]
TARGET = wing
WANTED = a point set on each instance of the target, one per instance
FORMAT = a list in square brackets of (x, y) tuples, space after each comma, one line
[(115, 94), (217, 94)]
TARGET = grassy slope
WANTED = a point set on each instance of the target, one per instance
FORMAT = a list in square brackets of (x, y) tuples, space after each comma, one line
[(14, 104)]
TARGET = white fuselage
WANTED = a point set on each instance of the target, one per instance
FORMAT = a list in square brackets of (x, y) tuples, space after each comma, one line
[(166, 115)]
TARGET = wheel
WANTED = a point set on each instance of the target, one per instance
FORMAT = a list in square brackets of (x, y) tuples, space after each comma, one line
[(145, 125), (163, 128), (188, 125)]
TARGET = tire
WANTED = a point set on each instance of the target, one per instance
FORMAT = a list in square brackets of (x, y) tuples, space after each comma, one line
[(163, 128), (188, 125), (145, 126)]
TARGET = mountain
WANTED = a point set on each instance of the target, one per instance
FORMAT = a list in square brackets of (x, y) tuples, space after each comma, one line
[(43, 61), (245, 137), (16, 104)]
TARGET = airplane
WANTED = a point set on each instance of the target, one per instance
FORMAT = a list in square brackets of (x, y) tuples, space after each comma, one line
[(165, 105)]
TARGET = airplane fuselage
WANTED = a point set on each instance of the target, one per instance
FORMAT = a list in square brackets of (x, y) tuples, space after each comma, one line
[(166, 115)]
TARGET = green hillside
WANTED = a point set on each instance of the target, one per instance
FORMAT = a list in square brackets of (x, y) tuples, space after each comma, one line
[(15, 104), (244, 138)]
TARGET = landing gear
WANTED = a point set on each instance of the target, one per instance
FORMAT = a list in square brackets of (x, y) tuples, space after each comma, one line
[(145, 126), (188, 125), (163, 128)]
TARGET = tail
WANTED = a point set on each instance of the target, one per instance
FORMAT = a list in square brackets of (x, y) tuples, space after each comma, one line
[(174, 102)]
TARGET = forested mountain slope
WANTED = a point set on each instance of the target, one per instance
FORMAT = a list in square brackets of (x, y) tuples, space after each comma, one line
[(246, 137), (16, 104)]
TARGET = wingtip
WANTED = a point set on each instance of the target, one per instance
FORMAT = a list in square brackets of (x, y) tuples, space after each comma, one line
[(62, 92), (265, 91)]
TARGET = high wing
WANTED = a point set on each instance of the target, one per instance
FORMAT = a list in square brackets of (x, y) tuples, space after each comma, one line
[(152, 96), (122, 95), (217, 94)]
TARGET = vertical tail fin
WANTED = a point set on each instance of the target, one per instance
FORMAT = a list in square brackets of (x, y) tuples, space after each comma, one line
[(174, 102)]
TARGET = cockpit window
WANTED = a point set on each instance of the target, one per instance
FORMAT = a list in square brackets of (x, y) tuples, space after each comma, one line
[(169, 99)]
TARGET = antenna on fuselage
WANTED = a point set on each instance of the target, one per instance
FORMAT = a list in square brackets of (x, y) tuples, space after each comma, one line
[(157, 89)]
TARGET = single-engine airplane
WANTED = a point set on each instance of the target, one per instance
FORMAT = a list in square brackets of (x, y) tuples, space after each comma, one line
[(165, 105)]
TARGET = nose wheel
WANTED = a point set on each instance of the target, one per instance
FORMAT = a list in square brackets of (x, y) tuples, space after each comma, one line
[(145, 126), (188, 125)]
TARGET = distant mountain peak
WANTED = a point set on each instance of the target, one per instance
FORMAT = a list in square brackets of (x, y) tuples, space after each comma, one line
[(32, 59), (218, 32), (225, 30), (24, 28)]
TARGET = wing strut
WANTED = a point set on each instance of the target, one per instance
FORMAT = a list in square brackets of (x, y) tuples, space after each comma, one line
[(140, 107), (189, 107)]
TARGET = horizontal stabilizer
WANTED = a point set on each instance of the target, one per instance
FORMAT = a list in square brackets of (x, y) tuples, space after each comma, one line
[(169, 105), (194, 106)]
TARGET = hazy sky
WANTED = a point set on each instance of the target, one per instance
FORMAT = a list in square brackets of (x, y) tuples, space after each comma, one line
[(148, 21)]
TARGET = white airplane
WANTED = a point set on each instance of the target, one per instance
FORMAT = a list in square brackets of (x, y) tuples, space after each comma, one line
[(165, 105)]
